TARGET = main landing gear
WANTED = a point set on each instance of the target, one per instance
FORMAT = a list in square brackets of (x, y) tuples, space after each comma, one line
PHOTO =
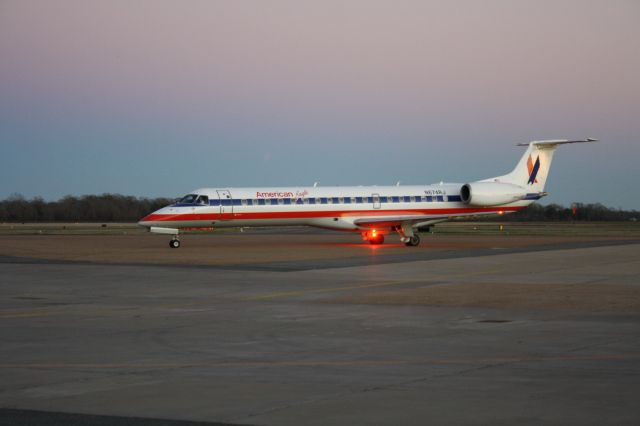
[(407, 236), (413, 241), (373, 236), (175, 242), (376, 239)]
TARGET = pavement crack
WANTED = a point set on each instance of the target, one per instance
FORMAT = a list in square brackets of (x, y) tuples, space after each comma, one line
[(365, 390), (594, 345)]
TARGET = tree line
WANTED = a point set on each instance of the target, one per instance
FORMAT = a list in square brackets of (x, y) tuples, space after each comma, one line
[(123, 208), (577, 212), (87, 208)]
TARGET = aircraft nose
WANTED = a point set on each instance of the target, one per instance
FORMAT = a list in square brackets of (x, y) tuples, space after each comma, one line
[(158, 217), (147, 220)]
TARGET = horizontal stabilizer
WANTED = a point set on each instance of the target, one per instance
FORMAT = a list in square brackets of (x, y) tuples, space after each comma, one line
[(554, 142)]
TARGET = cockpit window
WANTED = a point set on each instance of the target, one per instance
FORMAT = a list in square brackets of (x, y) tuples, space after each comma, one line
[(195, 199), (188, 199)]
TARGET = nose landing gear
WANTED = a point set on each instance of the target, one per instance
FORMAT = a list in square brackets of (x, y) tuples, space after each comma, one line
[(174, 243)]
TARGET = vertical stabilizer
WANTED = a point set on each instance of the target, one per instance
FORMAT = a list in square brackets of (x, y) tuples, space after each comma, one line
[(533, 168)]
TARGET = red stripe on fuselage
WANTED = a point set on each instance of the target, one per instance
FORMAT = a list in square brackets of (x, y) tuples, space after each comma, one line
[(315, 214)]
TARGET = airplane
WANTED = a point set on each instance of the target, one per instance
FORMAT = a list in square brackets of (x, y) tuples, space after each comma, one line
[(373, 211)]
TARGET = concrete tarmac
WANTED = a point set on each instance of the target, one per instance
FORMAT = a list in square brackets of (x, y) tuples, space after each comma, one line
[(499, 335)]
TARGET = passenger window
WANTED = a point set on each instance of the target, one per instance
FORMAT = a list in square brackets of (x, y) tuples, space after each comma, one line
[(395, 199), (340, 200), (244, 202)]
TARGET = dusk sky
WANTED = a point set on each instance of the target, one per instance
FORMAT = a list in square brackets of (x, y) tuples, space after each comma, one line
[(156, 98)]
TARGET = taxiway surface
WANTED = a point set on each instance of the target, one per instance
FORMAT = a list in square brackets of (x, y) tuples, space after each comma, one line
[(498, 333)]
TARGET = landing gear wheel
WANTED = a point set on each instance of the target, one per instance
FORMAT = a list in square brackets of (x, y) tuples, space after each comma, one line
[(174, 243), (413, 241), (378, 239)]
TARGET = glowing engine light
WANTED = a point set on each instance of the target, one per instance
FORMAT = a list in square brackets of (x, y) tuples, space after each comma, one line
[(374, 233), (500, 212)]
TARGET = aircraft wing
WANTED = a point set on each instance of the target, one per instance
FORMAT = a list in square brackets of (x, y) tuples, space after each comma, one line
[(392, 221), (388, 221)]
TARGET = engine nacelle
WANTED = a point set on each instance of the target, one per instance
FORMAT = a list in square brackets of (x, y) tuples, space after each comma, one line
[(486, 194)]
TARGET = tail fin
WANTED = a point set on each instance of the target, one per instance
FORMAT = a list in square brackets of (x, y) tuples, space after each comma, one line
[(533, 168)]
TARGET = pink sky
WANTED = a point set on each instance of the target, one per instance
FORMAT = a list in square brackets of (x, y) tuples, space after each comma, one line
[(270, 76)]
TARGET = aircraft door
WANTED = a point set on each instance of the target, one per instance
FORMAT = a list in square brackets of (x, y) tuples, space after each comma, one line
[(376, 200), (226, 204)]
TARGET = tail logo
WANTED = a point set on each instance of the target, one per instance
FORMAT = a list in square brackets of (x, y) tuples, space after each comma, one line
[(533, 169)]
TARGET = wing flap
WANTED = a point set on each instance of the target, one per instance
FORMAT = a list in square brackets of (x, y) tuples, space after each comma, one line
[(392, 221)]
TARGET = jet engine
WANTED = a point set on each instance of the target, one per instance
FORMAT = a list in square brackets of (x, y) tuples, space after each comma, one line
[(487, 194)]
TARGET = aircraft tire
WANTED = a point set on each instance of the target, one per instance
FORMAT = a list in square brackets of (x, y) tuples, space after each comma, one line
[(379, 239), (174, 243), (413, 241)]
